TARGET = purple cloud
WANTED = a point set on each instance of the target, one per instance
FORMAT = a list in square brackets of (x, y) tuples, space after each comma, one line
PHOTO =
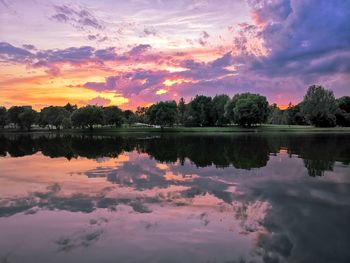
[(106, 54), (150, 31), (203, 40), (139, 49), (304, 37), (29, 47), (14, 54), (78, 17), (109, 84), (99, 101)]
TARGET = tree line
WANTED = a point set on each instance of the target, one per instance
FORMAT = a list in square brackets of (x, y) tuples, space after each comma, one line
[(319, 108), (318, 152)]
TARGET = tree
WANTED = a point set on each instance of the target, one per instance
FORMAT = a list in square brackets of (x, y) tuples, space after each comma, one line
[(53, 115), (344, 103), (129, 117), (276, 115), (163, 113), (218, 110), (198, 112), (13, 114), (26, 118), (141, 115), (66, 123), (319, 107), (70, 107), (249, 109), (343, 113), (229, 113), (87, 116), (113, 116), (3, 115), (294, 116), (181, 109)]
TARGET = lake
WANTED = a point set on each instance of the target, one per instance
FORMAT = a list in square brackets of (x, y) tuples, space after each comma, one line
[(250, 197)]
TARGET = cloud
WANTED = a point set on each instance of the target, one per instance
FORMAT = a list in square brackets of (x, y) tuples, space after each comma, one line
[(286, 46), (15, 54), (197, 77), (52, 59), (303, 37), (109, 84), (99, 101), (97, 37), (77, 17), (210, 70), (131, 83), (150, 31), (29, 47), (203, 40), (106, 54), (139, 49)]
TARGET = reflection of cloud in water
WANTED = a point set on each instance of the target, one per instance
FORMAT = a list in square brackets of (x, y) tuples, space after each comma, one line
[(66, 244), (179, 210)]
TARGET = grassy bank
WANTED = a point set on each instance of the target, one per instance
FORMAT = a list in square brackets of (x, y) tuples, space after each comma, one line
[(231, 129)]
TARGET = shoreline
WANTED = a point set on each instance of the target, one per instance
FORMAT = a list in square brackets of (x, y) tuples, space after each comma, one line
[(180, 129)]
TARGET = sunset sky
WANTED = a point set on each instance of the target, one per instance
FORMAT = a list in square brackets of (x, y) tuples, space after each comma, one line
[(137, 52)]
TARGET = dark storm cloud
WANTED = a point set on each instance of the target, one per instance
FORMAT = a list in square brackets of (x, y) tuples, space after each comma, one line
[(304, 37)]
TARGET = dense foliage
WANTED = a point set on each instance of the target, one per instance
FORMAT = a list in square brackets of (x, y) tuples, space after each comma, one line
[(87, 116), (343, 113), (319, 108), (53, 116), (163, 113), (248, 109)]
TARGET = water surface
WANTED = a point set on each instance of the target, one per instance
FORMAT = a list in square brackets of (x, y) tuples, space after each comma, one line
[(175, 198)]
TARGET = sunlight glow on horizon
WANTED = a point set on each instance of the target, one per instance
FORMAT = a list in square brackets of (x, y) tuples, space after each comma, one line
[(139, 52)]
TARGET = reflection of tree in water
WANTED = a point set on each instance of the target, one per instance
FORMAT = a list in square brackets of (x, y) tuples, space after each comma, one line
[(318, 167), (18, 146), (294, 229), (320, 151), (243, 151)]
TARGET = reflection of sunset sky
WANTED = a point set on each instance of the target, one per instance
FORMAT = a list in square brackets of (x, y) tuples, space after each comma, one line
[(107, 207), (132, 53)]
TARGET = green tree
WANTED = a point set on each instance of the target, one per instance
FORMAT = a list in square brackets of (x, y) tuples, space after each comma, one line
[(3, 115), (70, 107), (141, 115), (13, 114), (26, 118), (295, 115), (319, 107), (181, 109), (343, 113), (229, 110), (249, 109), (218, 110), (129, 117), (275, 115), (87, 116), (344, 103), (198, 112), (66, 123), (163, 113), (53, 115), (113, 116)]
